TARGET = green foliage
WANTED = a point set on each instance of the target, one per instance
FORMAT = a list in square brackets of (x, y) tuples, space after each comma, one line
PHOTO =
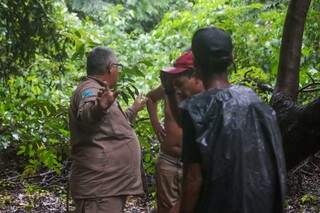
[(138, 15), (44, 52), (309, 199), (28, 28), (36, 94)]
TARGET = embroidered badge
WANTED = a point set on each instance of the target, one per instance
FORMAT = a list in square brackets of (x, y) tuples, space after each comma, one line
[(87, 93)]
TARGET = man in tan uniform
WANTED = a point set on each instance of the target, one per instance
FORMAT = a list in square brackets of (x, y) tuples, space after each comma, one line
[(169, 166), (105, 149)]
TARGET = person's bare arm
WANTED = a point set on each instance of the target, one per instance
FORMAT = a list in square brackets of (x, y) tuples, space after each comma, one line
[(174, 107), (153, 97), (169, 90), (191, 187), (138, 105), (192, 173)]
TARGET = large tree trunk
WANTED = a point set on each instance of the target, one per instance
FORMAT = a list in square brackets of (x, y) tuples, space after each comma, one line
[(300, 125)]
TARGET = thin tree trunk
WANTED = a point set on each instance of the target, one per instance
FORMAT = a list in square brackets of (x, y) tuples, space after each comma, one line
[(300, 125), (290, 52)]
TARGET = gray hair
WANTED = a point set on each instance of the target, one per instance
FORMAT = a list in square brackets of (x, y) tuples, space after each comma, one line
[(99, 59)]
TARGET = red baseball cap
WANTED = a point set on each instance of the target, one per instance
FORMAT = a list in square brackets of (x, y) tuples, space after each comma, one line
[(183, 63)]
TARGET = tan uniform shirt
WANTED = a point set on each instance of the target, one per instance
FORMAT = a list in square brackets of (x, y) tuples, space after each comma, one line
[(105, 150)]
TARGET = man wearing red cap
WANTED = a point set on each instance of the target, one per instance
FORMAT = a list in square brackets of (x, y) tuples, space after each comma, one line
[(169, 166)]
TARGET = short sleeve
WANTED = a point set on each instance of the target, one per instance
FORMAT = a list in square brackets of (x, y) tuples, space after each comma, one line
[(190, 149), (87, 109), (88, 95)]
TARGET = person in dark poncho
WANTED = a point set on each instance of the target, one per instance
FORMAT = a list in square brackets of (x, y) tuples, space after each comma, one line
[(232, 148)]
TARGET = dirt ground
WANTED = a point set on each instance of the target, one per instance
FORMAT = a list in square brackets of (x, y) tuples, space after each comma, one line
[(47, 192)]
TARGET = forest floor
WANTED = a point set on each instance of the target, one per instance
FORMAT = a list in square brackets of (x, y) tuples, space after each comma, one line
[(46, 192)]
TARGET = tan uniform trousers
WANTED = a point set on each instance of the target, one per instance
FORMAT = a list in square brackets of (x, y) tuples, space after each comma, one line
[(100, 205), (168, 182)]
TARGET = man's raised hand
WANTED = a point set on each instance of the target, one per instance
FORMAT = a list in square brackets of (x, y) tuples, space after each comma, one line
[(139, 102), (106, 97)]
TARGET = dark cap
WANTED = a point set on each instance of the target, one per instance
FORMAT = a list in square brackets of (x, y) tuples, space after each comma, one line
[(183, 63), (211, 42)]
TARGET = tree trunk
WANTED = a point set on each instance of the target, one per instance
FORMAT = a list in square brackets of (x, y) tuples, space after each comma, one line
[(300, 125)]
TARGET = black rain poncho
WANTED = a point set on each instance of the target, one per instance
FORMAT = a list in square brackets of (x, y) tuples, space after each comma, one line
[(239, 145)]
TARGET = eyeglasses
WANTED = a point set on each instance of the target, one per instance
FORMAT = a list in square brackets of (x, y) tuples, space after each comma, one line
[(119, 66)]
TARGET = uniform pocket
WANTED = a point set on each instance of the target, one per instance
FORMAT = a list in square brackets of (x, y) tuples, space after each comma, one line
[(88, 161)]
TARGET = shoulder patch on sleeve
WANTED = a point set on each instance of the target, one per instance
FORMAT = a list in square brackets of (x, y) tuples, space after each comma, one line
[(87, 93)]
